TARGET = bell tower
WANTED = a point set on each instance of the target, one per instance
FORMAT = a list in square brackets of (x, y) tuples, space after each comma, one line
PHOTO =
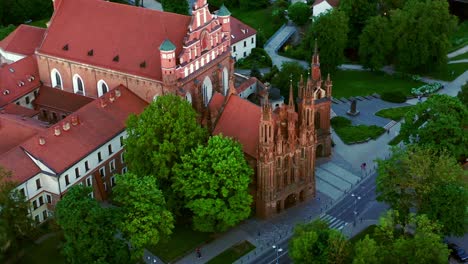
[(168, 63)]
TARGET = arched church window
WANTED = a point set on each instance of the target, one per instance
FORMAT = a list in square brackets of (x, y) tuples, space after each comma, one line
[(56, 79), (225, 81), (102, 88), (207, 90), (78, 86), (188, 97)]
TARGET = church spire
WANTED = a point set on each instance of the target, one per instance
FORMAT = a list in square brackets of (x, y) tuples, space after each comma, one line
[(315, 67), (291, 94)]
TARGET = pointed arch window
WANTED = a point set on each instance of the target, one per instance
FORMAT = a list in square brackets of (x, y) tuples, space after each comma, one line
[(225, 81), (78, 86), (102, 88), (207, 90), (56, 79)]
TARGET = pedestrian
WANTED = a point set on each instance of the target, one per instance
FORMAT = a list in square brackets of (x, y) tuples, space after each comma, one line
[(198, 253)]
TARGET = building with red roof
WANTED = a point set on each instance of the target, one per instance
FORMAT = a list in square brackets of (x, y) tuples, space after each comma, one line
[(22, 42), (322, 6), (243, 39), (98, 62)]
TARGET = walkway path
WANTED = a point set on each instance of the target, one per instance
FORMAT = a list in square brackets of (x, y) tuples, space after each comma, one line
[(458, 52), (458, 61), (275, 43)]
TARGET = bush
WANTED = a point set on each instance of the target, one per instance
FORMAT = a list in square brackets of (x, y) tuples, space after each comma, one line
[(299, 13), (5, 31), (339, 121), (258, 58), (427, 89), (393, 97)]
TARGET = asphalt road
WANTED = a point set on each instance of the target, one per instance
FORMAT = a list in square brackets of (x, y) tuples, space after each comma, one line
[(339, 215)]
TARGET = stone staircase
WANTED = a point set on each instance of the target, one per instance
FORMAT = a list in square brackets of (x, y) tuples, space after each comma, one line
[(333, 180)]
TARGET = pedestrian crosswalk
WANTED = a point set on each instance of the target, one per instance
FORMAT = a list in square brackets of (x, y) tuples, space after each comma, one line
[(333, 222)]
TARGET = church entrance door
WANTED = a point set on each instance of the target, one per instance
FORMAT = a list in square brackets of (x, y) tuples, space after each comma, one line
[(290, 201)]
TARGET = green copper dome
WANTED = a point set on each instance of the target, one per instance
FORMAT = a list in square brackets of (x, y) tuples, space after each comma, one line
[(167, 45), (223, 11)]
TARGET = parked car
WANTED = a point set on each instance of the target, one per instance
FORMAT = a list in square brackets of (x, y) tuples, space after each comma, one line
[(458, 253)]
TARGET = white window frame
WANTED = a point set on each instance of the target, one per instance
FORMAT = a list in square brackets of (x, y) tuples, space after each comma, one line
[(75, 84), (99, 85), (112, 181), (124, 170), (112, 165), (103, 170), (54, 80), (90, 183)]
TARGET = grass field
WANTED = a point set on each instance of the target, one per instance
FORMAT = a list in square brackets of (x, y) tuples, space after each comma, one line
[(463, 56), (261, 20), (40, 23), (233, 253), (182, 241), (396, 113), (354, 83), (352, 134), (460, 37), (451, 72)]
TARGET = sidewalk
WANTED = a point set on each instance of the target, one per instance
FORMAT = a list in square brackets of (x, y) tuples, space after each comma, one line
[(457, 52)]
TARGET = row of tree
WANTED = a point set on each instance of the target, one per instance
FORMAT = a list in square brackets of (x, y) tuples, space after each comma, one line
[(389, 242), (174, 174), (412, 35)]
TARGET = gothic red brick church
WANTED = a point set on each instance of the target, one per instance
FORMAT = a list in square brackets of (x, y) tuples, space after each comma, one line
[(98, 62)]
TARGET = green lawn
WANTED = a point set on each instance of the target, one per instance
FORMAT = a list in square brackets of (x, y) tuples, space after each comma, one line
[(460, 57), (396, 113), (460, 37), (182, 241), (233, 253), (451, 72), (395, 140), (261, 20), (46, 252), (352, 134), (354, 83), (40, 23)]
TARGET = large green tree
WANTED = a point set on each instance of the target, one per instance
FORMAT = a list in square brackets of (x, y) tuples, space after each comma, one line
[(289, 71), (299, 13), (18, 11), (90, 230), (463, 94), (175, 6), (316, 243), (420, 245), (214, 180), (331, 31), (158, 137), (375, 43), (358, 12), (438, 123), (366, 251), (144, 217), (15, 223), (422, 29), (426, 181), (257, 4)]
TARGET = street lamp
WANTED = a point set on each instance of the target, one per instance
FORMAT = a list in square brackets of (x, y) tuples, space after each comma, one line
[(278, 250), (356, 198)]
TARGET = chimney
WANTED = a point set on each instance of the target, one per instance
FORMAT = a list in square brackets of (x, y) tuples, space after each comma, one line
[(117, 92), (66, 126), (75, 120), (111, 96), (41, 141), (103, 102), (57, 131)]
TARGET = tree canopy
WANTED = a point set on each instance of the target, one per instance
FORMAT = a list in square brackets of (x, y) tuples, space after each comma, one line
[(214, 181), (175, 6), (18, 11), (375, 43), (423, 28), (158, 137), (438, 123), (289, 71), (463, 94), (358, 12), (299, 13), (90, 230), (331, 31), (15, 222), (144, 217), (316, 243), (427, 181)]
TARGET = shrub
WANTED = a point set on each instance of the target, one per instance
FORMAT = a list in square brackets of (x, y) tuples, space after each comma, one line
[(339, 121), (394, 97), (427, 89), (258, 58)]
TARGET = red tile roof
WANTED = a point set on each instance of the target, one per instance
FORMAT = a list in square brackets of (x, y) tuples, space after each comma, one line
[(18, 110), (20, 164), (240, 120), (24, 40), (61, 100), (216, 102), (16, 81), (246, 84), (111, 29), (240, 30), (14, 130), (96, 126)]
